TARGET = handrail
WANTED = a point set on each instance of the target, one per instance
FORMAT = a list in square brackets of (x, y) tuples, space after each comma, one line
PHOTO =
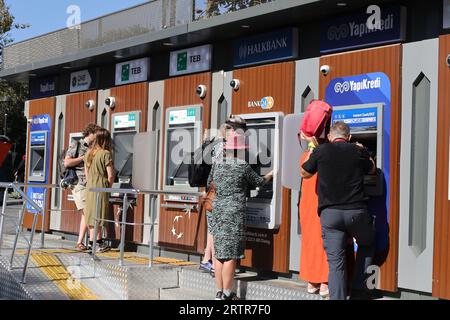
[(153, 196)]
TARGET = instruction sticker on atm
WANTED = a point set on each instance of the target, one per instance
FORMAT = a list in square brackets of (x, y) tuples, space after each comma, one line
[(125, 121), (363, 119), (182, 116), (38, 138)]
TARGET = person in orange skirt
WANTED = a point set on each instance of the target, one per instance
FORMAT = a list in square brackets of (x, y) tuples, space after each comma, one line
[(313, 258)]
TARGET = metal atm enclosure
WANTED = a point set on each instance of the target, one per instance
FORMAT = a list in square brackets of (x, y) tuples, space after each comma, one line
[(37, 168), (125, 126), (183, 134), (264, 133), (366, 127)]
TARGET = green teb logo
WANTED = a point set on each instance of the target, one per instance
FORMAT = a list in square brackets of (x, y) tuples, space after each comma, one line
[(125, 72), (191, 112), (182, 61)]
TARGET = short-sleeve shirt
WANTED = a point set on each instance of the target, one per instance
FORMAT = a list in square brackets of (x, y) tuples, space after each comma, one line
[(341, 167), (72, 153)]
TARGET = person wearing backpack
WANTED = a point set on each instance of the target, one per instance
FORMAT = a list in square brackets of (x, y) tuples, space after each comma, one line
[(74, 159)]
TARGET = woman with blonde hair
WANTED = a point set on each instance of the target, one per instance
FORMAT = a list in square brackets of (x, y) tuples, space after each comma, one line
[(100, 174)]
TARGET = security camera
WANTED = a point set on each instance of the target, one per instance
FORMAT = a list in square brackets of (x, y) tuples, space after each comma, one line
[(29, 120), (448, 60), (201, 91), (90, 104), (110, 102), (325, 69), (235, 84)]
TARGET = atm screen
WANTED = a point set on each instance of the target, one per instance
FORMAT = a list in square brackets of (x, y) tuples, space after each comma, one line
[(37, 160), (180, 144), (123, 154), (261, 141)]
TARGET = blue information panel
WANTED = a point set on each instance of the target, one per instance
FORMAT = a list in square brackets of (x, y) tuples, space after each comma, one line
[(363, 119)]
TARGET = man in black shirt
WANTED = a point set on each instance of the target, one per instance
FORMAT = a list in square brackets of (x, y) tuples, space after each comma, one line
[(341, 167)]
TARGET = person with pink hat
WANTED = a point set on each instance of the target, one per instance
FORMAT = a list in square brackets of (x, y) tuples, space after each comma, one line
[(232, 177)]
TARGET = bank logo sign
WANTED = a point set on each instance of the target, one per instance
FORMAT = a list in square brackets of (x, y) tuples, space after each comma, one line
[(191, 60), (273, 46), (265, 103), (356, 86), (83, 80), (132, 71), (352, 31), (43, 87)]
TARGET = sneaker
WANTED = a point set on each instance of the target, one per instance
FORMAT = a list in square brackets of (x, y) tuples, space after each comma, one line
[(102, 247), (207, 267), (232, 296), (219, 295)]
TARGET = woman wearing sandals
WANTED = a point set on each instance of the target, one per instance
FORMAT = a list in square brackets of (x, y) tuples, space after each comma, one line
[(100, 174)]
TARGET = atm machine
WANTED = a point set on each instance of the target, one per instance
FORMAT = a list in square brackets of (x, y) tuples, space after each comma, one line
[(183, 136), (366, 127), (77, 136), (38, 157), (264, 136), (125, 126)]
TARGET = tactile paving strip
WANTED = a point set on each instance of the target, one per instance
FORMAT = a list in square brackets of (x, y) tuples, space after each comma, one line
[(58, 274)]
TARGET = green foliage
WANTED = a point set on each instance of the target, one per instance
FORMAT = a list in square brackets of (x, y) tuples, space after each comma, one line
[(12, 94), (209, 8)]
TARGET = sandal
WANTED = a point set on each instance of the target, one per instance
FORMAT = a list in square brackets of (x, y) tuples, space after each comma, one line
[(81, 247)]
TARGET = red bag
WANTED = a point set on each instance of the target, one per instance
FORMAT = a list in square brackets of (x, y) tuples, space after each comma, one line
[(316, 118)]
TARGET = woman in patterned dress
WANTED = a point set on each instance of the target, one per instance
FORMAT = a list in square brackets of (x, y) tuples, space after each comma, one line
[(232, 178)]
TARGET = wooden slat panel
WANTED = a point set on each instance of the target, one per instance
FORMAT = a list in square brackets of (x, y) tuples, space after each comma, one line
[(276, 80), (77, 116), (37, 107), (180, 91), (388, 60), (133, 97), (441, 260)]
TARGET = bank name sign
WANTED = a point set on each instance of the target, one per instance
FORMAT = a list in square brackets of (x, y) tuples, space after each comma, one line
[(190, 60), (273, 46), (132, 71), (352, 31)]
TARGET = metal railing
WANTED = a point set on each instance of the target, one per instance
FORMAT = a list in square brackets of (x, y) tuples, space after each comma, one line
[(35, 206), (126, 192)]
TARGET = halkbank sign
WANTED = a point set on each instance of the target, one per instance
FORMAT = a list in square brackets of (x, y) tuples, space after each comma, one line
[(273, 46), (191, 60), (355, 31)]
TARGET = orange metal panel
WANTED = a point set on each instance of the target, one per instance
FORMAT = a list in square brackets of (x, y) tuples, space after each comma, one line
[(37, 107), (388, 60), (181, 91), (277, 81), (441, 260)]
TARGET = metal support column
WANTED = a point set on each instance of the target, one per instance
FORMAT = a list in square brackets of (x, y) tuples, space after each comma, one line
[(152, 230), (2, 217), (97, 213), (123, 228)]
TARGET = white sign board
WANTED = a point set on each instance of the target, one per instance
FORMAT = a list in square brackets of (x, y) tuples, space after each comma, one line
[(183, 116), (132, 71), (191, 60), (80, 81)]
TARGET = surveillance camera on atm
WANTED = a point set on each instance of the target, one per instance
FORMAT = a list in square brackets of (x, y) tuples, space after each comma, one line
[(325, 69), (110, 102), (201, 91), (90, 104), (235, 84)]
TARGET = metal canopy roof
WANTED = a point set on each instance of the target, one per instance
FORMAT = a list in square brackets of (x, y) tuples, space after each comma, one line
[(219, 28)]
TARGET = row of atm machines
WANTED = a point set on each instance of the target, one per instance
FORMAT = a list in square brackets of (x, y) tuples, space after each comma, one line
[(274, 146)]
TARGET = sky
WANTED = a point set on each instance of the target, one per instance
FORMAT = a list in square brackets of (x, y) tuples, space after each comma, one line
[(49, 15)]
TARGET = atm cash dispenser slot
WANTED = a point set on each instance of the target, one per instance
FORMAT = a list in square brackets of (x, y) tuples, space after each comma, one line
[(366, 127), (183, 126), (37, 165)]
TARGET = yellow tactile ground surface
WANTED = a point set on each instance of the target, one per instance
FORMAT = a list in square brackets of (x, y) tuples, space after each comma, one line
[(58, 274)]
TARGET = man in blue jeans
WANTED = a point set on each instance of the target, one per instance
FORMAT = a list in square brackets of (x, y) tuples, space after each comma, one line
[(341, 167)]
